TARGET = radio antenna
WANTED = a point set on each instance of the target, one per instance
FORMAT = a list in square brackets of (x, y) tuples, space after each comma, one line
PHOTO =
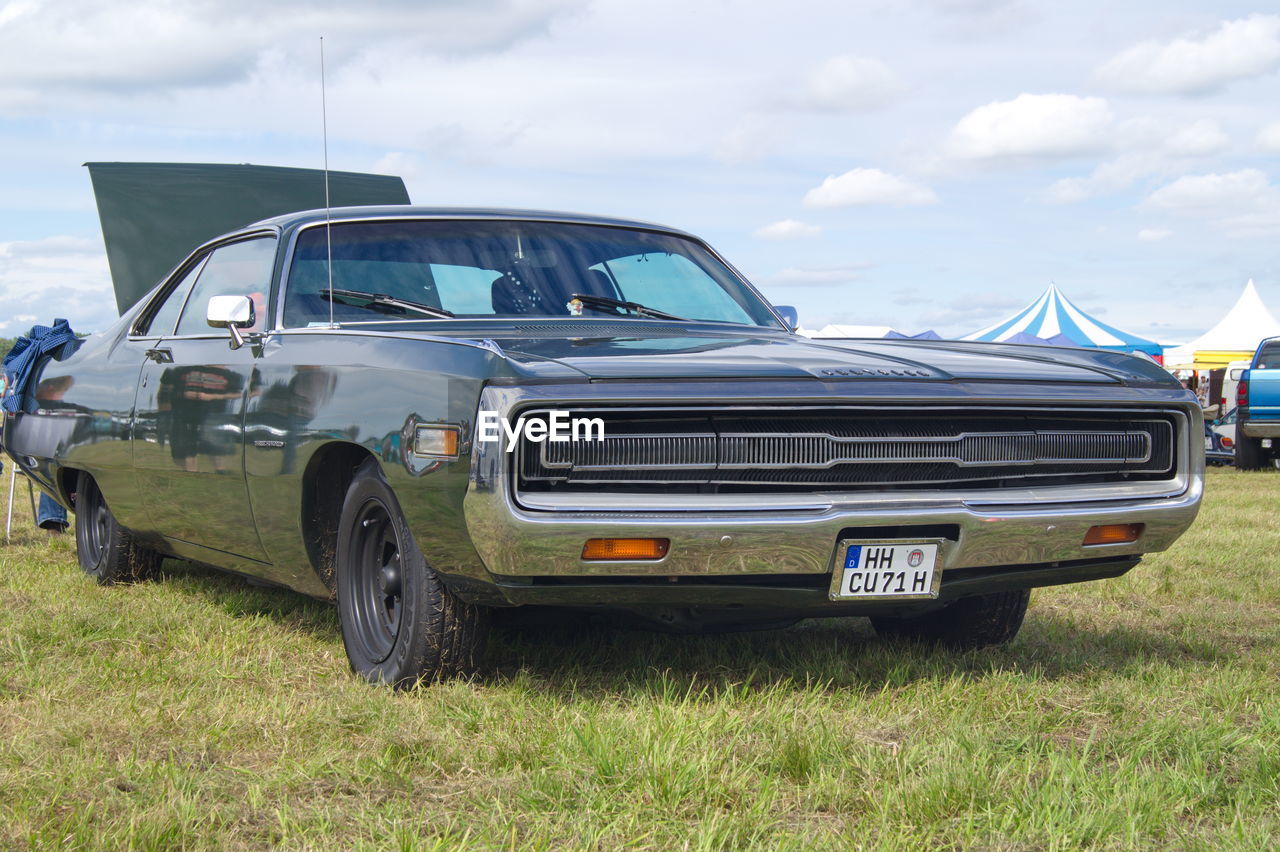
[(324, 133)]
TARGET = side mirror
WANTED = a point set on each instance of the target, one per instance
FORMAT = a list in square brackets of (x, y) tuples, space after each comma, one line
[(232, 313), (790, 315)]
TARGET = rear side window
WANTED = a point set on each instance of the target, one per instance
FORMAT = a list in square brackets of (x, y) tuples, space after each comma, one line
[(1269, 357), (238, 269)]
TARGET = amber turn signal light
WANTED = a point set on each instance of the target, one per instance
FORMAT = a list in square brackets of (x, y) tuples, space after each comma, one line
[(625, 548), (1113, 533), (439, 442)]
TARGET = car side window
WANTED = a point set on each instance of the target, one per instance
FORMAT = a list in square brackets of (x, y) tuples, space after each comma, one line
[(238, 269), (1269, 358), (166, 316)]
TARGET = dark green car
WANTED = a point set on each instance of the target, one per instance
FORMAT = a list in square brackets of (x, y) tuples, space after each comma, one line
[(432, 414)]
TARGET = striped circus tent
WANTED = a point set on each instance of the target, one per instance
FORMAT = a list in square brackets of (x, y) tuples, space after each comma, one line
[(1054, 318)]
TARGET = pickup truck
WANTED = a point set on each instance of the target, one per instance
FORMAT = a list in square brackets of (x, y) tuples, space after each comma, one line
[(436, 415), (1258, 408)]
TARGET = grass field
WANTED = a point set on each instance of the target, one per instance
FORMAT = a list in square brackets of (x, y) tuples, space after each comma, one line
[(199, 712)]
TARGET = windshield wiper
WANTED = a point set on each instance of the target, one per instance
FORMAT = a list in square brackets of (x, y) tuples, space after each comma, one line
[(379, 301), (634, 307)]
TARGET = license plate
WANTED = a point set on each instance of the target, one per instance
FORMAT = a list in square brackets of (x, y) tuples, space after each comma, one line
[(886, 570)]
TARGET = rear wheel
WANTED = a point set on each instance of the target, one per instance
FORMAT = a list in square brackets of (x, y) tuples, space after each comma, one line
[(1248, 451), (973, 622), (107, 551), (400, 624)]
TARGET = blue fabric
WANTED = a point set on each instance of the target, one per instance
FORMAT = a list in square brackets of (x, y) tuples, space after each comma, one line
[(57, 341), (50, 513)]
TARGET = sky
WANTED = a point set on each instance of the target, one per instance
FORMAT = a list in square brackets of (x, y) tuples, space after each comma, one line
[(912, 163)]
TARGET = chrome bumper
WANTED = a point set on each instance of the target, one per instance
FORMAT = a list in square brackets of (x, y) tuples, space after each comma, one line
[(1261, 428), (750, 535), (517, 543)]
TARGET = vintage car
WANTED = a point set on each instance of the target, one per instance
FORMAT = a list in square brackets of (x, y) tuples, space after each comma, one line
[(432, 414)]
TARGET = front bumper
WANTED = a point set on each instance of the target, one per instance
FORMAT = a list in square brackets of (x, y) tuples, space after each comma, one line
[(749, 554)]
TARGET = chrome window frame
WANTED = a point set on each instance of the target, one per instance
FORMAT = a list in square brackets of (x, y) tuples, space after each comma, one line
[(296, 231), (201, 255)]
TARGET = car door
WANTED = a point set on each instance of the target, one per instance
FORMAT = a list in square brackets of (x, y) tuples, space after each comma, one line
[(189, 414)]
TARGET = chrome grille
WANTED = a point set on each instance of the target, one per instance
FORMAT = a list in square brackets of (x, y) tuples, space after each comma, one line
[(1019, 448), (856, 448)]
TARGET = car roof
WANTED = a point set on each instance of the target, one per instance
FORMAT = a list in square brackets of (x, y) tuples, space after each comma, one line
[(411, 211)]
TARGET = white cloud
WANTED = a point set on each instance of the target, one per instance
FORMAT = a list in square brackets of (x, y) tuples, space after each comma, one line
[(406, 165), (849, 83), (62, 276), (1199, 64), (971, 312), (753, 138), (1244, 202), (1154, 148), (1069, 191), (1033, 126), (1269, 138), (787, 229), (154, 45), (1211, 192), (1198, 139), (859, 187), (1154, 235), (1107, 177), (16, 10), (820, 276)]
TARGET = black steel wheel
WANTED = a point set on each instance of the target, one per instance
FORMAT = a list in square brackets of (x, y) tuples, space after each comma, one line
[(377, 593), (107, 551), (972, 622), (400, 623)]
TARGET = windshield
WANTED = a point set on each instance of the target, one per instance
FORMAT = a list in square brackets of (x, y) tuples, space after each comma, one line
[(494, 269)]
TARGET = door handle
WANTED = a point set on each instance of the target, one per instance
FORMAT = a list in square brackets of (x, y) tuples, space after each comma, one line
[(161, 355)]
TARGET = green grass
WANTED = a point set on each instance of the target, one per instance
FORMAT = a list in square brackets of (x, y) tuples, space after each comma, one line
[(200, 712)]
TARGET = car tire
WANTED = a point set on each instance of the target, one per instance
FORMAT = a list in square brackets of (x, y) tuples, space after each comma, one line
[(972, 622), (400, 623), (107, 551), (1248, 451)]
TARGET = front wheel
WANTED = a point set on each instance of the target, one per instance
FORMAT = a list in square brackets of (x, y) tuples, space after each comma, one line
[(107, 551), (400, 624), (973, 622)]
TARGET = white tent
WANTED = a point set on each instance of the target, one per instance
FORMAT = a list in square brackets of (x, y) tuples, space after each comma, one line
[(1234, 338), (853, 331)]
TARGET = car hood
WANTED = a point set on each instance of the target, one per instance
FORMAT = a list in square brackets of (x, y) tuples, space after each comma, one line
[(780, 356)]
